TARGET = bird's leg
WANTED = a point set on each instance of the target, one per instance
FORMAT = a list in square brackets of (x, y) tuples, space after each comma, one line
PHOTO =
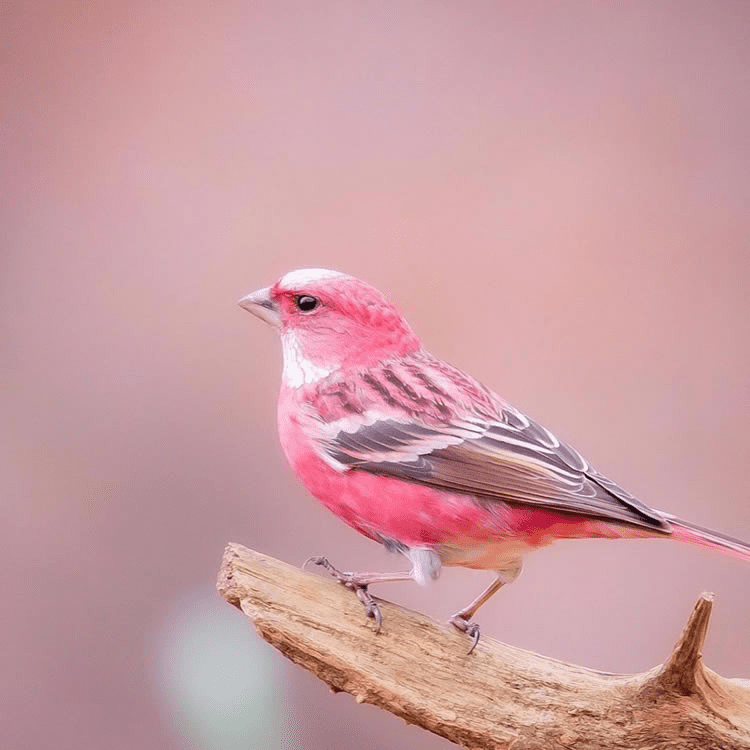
[(358, 582), (462, 618)]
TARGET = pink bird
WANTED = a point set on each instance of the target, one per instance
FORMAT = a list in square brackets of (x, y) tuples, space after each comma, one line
[(422, 458)]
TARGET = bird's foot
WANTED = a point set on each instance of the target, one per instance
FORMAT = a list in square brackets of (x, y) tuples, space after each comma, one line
[(466, 626), (352, 582)]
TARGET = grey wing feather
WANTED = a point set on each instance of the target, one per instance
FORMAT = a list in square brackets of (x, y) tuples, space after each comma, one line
[(515, 461)]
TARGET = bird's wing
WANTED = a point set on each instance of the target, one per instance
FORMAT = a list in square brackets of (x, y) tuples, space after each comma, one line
[(511, 459)]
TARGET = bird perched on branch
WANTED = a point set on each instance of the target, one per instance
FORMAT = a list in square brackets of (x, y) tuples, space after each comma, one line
[(420, 456)]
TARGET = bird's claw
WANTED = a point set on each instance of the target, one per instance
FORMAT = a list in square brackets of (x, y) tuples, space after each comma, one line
[(465, 626), (347, 579), (318, 561), (372, 610)]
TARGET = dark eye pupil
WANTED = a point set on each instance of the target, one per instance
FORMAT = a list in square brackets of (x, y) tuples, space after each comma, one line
[(306, 303)]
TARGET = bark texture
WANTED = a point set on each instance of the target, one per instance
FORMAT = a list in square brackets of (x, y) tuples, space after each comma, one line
[(497, 697)]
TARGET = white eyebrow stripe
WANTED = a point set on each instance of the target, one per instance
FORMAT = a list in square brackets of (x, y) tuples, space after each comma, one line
[(302, 276)]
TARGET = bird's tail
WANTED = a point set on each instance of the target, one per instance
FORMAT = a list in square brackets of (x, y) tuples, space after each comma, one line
[(690, 532)]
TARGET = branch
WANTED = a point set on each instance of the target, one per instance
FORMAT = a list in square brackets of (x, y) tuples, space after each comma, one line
[(497, 697)]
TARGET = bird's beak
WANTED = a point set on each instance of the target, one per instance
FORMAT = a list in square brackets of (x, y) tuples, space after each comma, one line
[(260, 304)]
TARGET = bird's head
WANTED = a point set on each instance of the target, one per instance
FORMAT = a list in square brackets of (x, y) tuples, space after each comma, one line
[(327, 321)]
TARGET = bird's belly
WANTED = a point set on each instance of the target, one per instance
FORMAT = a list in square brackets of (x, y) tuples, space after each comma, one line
[(497, 554)]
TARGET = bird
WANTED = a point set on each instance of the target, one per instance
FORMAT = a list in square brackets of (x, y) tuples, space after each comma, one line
[(424, 459)]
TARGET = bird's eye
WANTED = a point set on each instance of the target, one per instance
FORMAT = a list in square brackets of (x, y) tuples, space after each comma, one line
[(306, 302)]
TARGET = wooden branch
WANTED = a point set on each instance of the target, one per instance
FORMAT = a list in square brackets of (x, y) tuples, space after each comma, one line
[(497, 697)]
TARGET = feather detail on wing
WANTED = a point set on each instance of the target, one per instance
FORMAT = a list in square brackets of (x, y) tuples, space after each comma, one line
[(510, 459)]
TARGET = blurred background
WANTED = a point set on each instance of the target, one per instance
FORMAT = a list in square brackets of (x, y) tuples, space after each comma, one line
[(555, 194)]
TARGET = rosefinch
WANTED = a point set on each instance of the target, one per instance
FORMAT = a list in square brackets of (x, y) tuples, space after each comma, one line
[(419, 456)]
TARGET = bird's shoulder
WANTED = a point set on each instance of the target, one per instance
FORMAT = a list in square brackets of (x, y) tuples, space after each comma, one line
[(419, 387)]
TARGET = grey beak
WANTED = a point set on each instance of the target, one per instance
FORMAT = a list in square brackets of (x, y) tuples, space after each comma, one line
[(260, 304)]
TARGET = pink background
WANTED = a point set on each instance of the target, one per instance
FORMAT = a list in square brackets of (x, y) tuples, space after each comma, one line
[(555, 194)]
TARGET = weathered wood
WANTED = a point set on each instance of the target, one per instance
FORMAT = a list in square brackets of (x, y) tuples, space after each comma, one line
[(497, 697)]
